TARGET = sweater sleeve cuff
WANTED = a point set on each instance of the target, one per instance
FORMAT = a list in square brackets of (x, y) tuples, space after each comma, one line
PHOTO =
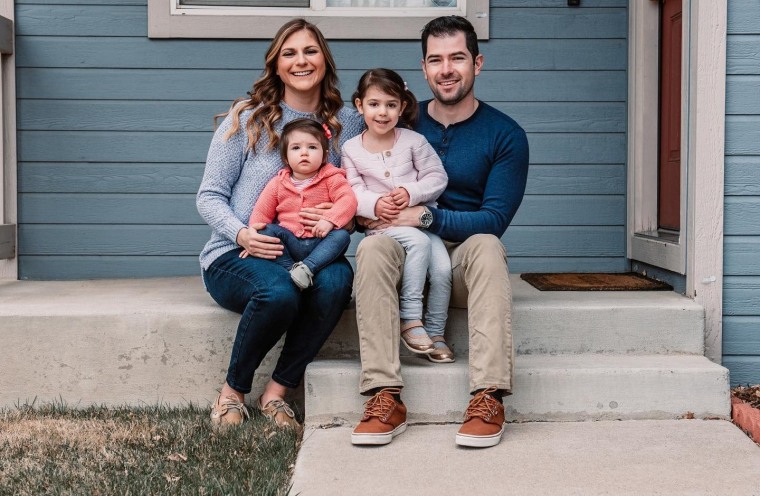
[(231, 230)]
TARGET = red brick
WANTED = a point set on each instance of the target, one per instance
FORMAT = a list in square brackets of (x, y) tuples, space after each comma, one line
[(746, 418)]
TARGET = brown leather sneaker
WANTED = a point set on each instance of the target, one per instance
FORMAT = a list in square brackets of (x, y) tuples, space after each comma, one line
[(228, 411), (279, 412), (384, 418), (483, 421)]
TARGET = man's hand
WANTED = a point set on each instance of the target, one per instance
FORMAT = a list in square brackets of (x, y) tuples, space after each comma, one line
[(310, 216), (258, 245), (410, 216), (322, 228), (400, 197), (386, 210)]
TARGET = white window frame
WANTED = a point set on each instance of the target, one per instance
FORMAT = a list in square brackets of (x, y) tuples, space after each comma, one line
[(166, 19)]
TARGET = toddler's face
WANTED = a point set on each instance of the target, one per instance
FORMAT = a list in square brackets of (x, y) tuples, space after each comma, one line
[(305, 154)]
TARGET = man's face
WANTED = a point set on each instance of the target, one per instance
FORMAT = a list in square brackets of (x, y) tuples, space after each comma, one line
[(449, 68)]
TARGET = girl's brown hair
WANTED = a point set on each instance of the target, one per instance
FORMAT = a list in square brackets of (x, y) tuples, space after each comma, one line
[(391, 83), (309, 126), (268, 91)]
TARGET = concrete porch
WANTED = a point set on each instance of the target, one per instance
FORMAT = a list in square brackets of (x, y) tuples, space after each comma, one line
[(581, 356)]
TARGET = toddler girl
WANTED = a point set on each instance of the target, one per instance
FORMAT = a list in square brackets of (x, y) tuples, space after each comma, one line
[(391, 168), (307, 181)]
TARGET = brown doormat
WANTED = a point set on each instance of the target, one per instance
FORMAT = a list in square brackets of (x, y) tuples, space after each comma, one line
[(630, 281)]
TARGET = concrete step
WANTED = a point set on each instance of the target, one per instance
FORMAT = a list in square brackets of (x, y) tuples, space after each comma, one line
[(547, 387), (632, 458), (623, 322), (165, 340)]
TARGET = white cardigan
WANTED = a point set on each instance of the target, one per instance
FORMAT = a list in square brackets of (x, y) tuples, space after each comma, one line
[(411, 163)]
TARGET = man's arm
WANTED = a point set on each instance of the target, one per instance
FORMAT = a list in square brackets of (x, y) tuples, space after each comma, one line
[(502, 195)]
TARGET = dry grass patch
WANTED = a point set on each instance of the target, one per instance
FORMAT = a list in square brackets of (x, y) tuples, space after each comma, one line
[(156, 450)]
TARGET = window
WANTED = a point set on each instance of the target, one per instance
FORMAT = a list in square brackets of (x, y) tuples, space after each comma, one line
[(346, 19)]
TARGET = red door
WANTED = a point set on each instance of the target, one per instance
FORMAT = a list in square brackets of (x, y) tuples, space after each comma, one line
[(669, 184)]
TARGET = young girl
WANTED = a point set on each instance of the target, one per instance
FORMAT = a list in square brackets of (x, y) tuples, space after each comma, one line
[(391, 168), (307, 181)]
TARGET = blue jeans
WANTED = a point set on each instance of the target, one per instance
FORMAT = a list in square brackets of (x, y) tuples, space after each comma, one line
[(271, 305), (315, 253)]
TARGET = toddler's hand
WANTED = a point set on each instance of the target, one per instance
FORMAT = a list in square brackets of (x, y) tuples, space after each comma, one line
[(386, 210), (322, 228), (400, 197)]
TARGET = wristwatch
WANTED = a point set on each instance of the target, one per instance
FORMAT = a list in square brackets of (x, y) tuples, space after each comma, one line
[(426, 218)]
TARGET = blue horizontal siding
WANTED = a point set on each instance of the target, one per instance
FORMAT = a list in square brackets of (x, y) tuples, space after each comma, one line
[(123, 115), (217, 85), (185, 240), (741, 253), (127, 20), (113, 130), (179, 209), (112, 146)]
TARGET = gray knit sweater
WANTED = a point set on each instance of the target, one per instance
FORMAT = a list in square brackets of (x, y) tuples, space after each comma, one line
[(234, 178)]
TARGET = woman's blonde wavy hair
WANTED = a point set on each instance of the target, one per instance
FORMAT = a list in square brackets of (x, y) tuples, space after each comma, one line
[(268, 91)]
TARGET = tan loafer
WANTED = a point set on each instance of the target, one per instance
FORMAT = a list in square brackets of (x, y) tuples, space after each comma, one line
[(280, 413), (228, 411)]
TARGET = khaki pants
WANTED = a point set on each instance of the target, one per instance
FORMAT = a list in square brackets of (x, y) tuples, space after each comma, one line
[(480, 283)]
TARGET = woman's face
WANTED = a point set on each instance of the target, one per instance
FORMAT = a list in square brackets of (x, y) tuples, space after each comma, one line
[(301, 64)]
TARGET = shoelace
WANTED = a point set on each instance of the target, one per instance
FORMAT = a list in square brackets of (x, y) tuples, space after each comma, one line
[(483, 405), (380, 405), (230, 402), (280, 405)]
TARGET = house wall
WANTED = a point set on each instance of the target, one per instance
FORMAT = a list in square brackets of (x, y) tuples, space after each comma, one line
[(113, 129), (741, 288)]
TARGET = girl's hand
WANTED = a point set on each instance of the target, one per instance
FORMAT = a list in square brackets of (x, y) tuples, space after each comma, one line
[(258, 245), (322, 228), (386, 210), (400, 197), (311, 215)]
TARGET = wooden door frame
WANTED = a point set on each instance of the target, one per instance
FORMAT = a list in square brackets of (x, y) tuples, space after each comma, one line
[(698, 251)]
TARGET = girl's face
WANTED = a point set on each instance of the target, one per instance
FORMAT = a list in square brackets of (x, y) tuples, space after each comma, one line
[(381, 111), (304, 154), (301, 64)]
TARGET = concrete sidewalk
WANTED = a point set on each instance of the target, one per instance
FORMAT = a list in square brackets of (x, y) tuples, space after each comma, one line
[(695, 457)]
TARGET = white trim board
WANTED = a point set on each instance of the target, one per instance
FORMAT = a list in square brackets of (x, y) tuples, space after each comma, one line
[(8, 167)]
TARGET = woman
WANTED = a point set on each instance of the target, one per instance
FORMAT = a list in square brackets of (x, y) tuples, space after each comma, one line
[(299, 81)]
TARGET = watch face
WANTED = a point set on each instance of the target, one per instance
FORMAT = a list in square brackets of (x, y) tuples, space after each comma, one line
[(426, 219)]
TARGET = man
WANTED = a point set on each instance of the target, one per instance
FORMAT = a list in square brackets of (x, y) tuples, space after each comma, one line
[(485, 154)]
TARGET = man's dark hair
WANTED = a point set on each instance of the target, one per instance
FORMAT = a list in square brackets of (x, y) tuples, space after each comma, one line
[(450, 26)]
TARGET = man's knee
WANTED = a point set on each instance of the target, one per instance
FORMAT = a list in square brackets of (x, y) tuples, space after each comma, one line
[(483, 246), (379, 249)]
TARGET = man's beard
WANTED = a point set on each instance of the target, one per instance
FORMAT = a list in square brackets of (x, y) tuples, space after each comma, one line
[(457, 97)]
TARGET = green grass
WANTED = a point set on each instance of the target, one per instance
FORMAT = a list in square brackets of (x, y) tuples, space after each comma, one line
[(54, 449)]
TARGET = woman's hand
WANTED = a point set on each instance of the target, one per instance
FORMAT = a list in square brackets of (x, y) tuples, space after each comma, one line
[(322, 228), (311, 215), (258, 245)]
